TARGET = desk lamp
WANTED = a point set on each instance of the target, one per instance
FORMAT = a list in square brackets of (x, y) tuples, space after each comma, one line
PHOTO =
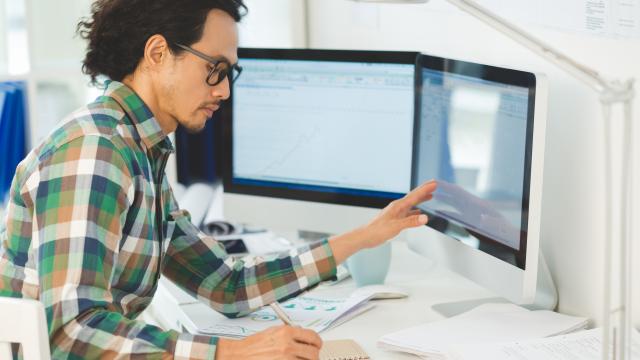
[(617, 318)]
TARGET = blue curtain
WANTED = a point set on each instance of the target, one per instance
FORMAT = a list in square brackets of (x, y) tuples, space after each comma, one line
[(13, 144)]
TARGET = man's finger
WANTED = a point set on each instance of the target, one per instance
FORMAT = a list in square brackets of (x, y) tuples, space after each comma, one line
[(307, 336), (420, 194), (413, 221), (415, 212), (305, 351)]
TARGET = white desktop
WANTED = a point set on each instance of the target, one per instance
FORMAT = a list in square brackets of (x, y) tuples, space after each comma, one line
[(308, 129)]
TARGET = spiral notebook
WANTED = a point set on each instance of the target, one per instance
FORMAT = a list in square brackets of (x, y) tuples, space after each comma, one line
[(342, 350)]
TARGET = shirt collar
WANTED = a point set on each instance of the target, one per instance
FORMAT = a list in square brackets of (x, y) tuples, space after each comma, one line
[(146, 125)]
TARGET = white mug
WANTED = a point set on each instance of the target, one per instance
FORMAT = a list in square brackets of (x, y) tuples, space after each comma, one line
[(370, 266)]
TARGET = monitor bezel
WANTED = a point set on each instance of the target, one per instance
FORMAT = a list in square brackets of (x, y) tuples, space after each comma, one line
[(226, 126), (489, 73)]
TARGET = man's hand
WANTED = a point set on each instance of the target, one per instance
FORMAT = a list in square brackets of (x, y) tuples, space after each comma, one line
[(279, 342), (397, 216)]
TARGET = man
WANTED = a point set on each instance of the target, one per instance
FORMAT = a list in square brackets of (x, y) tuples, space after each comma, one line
[(92, 222)]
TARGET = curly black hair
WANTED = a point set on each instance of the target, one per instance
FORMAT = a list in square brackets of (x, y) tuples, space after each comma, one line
[(118, 30)]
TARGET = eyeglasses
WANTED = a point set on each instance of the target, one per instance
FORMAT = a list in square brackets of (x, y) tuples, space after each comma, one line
[(220, 68)]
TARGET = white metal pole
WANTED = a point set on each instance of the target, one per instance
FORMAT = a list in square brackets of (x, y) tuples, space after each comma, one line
[(624, 223), (628, 238), (608, 169)]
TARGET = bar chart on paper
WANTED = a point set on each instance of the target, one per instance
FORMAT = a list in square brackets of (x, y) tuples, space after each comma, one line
[(313, 313), (609, 18)]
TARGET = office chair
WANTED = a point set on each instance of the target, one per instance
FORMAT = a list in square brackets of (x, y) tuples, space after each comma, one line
[(23, 322)]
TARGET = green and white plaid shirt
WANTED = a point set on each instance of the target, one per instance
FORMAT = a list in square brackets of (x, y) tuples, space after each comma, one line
[(82, 235)]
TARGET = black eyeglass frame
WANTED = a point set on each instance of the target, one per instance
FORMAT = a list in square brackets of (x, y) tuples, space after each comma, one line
[(228, 72)]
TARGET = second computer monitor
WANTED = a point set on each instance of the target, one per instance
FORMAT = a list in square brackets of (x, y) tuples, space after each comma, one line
[(326, 126), (480, 133)]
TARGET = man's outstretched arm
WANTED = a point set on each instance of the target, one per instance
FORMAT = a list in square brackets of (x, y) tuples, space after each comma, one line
[(200, 265)]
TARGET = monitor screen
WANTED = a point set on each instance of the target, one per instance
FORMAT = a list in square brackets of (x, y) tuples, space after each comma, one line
[(473, 135), (322, 125), (196, 154)]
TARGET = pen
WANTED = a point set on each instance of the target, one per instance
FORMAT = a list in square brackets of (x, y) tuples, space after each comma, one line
[(281, 314)]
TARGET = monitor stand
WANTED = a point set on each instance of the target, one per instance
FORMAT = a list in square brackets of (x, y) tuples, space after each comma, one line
[(546, 296)]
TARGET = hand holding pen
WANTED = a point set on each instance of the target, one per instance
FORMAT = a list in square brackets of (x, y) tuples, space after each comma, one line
[(279, 342)]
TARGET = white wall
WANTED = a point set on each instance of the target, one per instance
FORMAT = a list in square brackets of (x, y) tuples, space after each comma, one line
[(3, 39), (53, 41), (274, 23), (55, 55), (573, 229)]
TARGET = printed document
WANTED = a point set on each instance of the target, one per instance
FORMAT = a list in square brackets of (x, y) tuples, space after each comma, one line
[(584, 345), (309, 312), (485, 324)]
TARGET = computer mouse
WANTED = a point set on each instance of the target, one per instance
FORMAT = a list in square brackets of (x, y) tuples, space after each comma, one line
[(379, 292), (214, 228)]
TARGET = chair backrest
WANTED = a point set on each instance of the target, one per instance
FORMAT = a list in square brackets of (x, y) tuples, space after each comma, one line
[(23, 322)]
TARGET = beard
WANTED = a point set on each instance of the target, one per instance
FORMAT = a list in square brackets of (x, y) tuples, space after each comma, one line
[(193, 128), (192, 122)]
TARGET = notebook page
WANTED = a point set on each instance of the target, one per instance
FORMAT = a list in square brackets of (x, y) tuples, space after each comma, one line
[(342, 350)]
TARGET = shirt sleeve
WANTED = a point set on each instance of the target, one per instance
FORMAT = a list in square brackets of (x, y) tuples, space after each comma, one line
[(80, 206), (236, 287)]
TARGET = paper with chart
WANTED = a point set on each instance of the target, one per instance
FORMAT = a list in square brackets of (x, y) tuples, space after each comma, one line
[(606, 18), (313, 313), (610, 18)]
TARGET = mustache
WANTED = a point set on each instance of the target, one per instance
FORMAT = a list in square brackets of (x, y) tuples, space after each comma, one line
[(210, 104)]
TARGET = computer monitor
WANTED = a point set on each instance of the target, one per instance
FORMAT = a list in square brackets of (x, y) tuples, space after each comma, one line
[(480, 132), (196, 154), (310, 129)]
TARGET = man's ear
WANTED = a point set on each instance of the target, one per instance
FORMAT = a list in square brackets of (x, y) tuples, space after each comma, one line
[(156, 52)]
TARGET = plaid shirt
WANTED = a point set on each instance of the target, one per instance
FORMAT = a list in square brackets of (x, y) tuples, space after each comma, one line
[(82, 235)]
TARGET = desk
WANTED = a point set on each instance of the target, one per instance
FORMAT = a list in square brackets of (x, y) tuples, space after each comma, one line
[(428, 284)]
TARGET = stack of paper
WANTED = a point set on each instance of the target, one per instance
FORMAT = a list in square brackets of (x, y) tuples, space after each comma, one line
[(486, 323), (313, 313), (583, 345)]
